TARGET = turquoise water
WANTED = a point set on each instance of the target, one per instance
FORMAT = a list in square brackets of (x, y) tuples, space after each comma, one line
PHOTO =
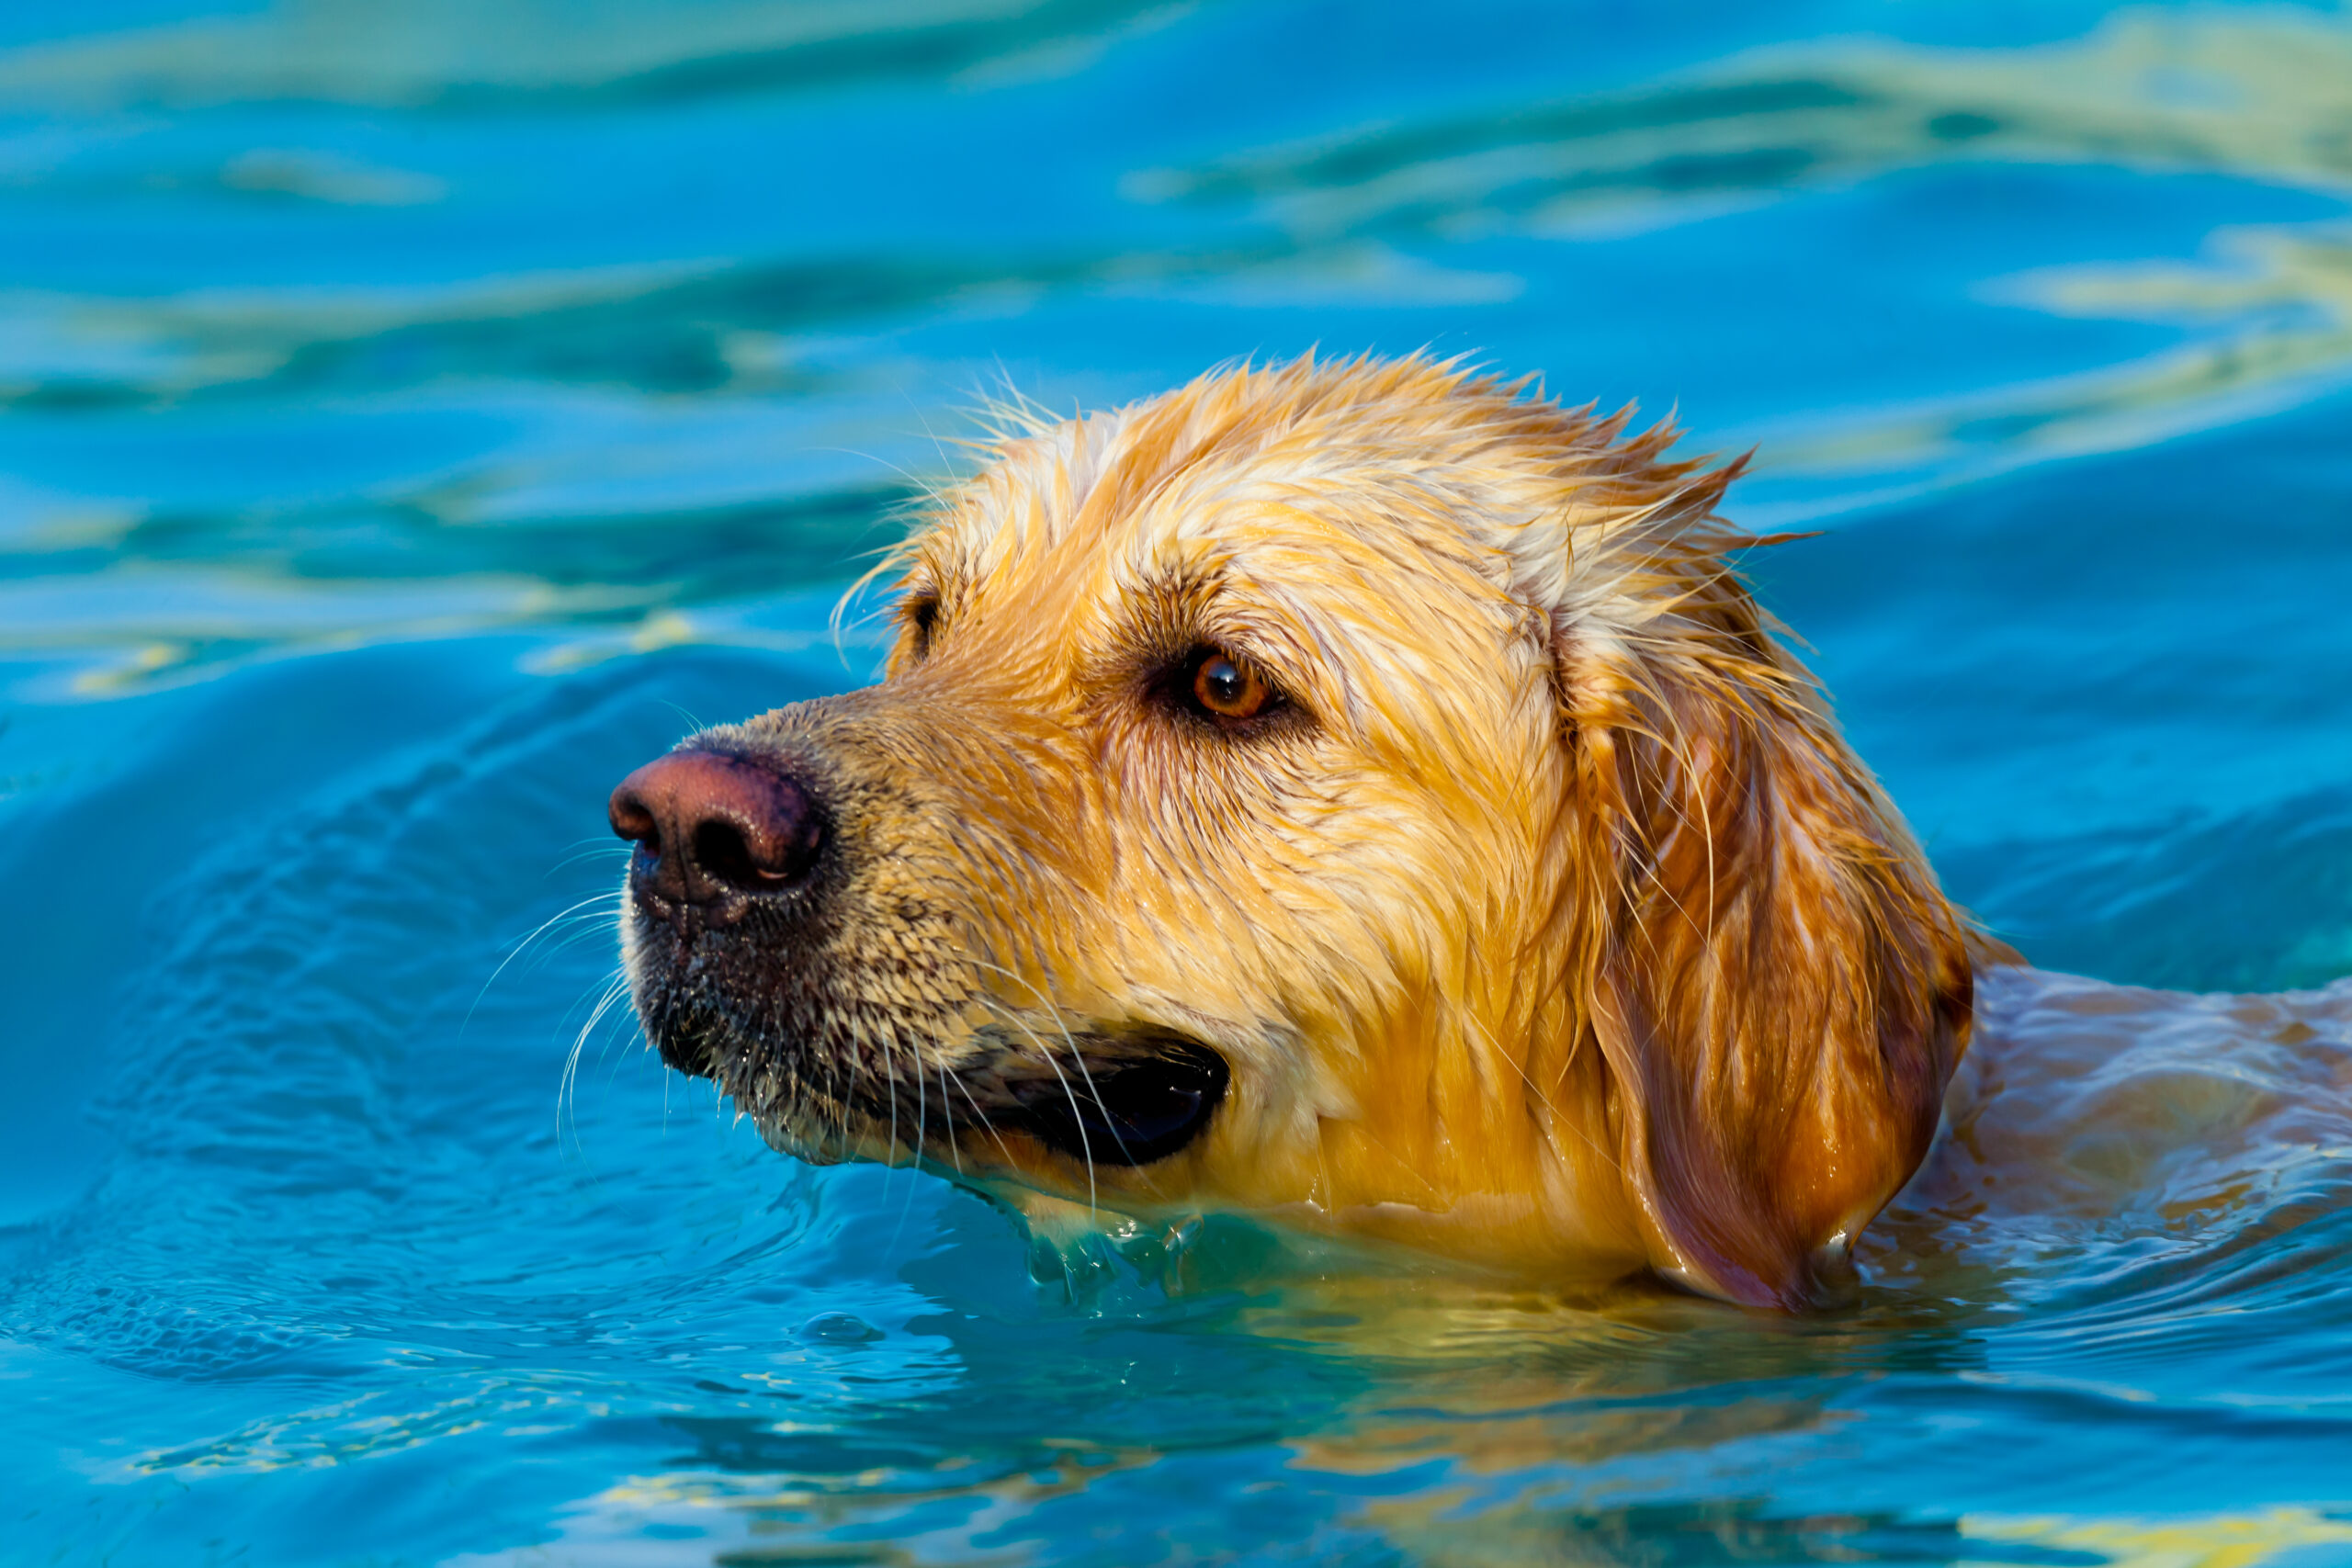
[(413, 416)]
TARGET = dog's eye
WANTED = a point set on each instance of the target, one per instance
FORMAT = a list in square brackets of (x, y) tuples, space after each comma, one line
[(921, 613), (1220, 687), (1228, 690), (1224, 691)]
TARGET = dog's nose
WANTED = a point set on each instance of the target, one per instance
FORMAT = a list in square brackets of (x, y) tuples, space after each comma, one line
[(710, 830)]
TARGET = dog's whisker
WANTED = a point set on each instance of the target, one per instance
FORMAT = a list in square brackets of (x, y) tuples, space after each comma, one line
[(955, 1153), (567, 1088), (1076, 1056), (923, 1111), (906, 1205), (596, 900), (1069, 1041), (987, 1125), (890, 1065), (841, 1088), (1494, 1047), (602, 848), (583, 929), (1077, 1117)]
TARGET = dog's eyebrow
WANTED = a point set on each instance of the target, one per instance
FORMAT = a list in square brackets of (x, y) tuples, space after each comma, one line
[(1168, 606)]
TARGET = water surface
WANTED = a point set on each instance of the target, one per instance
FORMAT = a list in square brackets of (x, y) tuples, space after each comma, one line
[(413, 416)]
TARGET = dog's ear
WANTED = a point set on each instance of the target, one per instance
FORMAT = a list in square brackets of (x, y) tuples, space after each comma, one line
[(1778, 989)]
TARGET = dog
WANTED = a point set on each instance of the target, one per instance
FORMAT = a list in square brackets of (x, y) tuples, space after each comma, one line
[(1362, 795)]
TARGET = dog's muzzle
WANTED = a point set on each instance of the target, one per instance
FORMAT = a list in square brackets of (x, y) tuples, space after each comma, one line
[(730, 884), (765, 955)]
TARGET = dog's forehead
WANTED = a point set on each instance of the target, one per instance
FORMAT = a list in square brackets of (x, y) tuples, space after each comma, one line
[(1113, 507), (1353, 568)]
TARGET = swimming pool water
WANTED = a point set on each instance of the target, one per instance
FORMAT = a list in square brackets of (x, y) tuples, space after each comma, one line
[(413, 416)]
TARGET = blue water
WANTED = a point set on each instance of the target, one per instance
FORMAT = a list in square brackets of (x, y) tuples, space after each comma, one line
[(412, 416)]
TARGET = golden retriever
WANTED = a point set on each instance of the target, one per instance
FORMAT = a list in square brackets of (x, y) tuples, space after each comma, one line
[(1361, 794)]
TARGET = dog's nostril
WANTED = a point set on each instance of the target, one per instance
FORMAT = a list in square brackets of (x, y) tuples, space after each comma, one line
[(632, 820), (721, 851), (777, 859)]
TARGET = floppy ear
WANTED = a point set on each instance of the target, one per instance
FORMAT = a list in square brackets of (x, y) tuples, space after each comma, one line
[(1779, 990)]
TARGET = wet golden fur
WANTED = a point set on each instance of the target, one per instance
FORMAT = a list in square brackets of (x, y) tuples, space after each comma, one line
[(1553, 926)]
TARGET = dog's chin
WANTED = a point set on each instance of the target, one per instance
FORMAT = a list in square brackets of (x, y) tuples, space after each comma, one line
[(691, 1038)]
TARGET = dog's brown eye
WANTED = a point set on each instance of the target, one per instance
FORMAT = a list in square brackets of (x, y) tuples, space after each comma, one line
[(922, 613), (1229, 690), (1209, 687)]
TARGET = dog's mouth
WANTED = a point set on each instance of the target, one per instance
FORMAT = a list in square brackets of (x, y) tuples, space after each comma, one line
[(1148, 1098), (1123, 1096)]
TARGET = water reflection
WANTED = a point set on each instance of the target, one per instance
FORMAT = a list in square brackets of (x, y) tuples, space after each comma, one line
[(2273, 308), (2258, 97), (2255, 94), (447, 55)]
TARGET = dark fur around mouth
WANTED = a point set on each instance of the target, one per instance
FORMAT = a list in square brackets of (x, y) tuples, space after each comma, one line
[(801, 1047)]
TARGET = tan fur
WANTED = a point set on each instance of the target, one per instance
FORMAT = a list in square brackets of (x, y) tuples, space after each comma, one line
[(1562, 932)]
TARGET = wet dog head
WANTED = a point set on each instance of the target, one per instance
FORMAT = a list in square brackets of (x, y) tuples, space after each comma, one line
[(1356, 794)]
